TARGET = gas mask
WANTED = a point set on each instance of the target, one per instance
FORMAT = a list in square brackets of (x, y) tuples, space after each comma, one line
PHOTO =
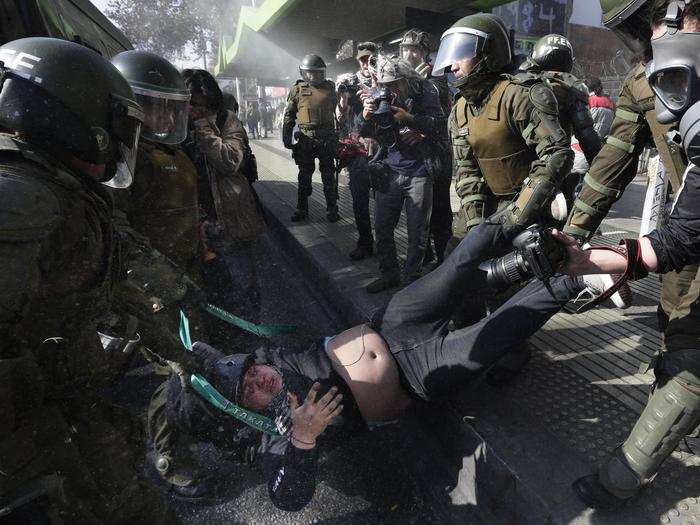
[(673, 77)]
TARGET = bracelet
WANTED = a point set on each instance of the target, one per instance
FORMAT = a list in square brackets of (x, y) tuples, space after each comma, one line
[(302, 442)]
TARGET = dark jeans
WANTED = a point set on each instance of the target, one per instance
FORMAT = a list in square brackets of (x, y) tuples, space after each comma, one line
[(441, 217), (358, 176), (436, 362)]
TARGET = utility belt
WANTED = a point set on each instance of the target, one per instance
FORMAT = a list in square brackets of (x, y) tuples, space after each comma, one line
[(321, 134)]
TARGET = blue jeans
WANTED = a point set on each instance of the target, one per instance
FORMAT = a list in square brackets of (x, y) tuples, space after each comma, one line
[(436, 362), (416, 194), (358, 176)]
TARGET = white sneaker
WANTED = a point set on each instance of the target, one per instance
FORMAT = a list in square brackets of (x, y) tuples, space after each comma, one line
[(597, 284)]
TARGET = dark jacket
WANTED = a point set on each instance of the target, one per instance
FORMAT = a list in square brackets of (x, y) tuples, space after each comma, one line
[(424, 105), (677, 243)]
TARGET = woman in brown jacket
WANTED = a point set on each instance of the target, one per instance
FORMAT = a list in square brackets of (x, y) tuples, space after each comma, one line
[(232, 218)]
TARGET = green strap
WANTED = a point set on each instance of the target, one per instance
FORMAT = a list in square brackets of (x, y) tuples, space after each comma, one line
[(259, 330), (474, 222), (576, 231), (473, 198), (467, 180), (600, 188), (529, 129), (463, 163), (461, 141), (629, 116), (619, 144), (215, 398), (585, 208)]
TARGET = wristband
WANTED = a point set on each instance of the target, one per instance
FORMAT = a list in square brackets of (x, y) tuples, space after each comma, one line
[(302, 442)]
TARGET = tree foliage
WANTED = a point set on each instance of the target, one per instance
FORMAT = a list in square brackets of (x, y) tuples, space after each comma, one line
[(170, 28)]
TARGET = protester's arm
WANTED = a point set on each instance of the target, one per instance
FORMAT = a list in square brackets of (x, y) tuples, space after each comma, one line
[(363, 121), (430, 120), (470, 185), (584, 130), (291, 474), (223, 148)]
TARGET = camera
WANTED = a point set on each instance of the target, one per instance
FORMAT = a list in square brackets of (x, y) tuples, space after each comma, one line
[(350, 86), (536, 254), (383, 116)]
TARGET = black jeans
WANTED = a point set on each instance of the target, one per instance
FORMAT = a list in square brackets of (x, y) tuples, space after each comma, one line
[(358, 175), (436, 362)]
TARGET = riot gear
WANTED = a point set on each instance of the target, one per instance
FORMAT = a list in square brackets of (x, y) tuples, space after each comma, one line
[(415, 47), (481, 36), (161, 92), (629, 19), (553, 53), (87, 110), (313, 70)]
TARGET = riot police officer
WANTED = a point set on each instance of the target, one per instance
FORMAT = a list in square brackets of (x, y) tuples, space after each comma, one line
[(553, 58), (673, 409), (311, 105), (510, 151), (77, 126), (415, 47)]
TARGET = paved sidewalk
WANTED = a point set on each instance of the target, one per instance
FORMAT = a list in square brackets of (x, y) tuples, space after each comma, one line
[(577, 399)]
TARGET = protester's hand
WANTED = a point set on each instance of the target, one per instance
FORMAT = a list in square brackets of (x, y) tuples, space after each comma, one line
[(578, 261), (368, 105), (411, 137), (311, 419), (401, 115)]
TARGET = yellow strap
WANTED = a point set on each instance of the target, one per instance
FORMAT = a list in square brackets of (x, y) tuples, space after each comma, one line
[(474, 198)]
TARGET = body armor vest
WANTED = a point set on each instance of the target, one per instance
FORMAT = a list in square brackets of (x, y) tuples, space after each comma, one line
[(164, 204), (670, 154), (316, 106), (503, 156)]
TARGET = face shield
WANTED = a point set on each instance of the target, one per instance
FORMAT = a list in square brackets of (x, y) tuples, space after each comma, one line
[(126, 128), (165, 115), (313, 76), (456, 44)]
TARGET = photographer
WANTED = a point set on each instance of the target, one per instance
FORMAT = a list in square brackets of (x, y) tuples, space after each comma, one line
[(349, 107), (673, 410), (405, 117)]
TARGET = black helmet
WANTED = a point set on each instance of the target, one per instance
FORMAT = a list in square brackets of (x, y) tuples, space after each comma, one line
[(630, 20), (313, 69), (554, 53), (64, 96), (161, 92)]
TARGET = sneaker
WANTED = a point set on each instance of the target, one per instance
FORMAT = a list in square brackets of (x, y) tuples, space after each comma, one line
[(597, 284), (383, 283)]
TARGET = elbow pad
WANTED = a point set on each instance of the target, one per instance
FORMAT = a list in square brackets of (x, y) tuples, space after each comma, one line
[(535, 196), (559, 163)]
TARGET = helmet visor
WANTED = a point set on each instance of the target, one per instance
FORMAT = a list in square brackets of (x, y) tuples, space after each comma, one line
[(313, 76), (165, 115), (126, 129), (457, 44), (672, 86)]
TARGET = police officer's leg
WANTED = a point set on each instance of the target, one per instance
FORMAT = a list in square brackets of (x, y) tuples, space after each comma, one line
[(419, 203), (675, 286), (307, 165), (326, 166), (360, 188), (387, 211)]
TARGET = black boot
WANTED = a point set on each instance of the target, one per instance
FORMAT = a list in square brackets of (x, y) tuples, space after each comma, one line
[(362, 251), (590, 490), (300, 215)]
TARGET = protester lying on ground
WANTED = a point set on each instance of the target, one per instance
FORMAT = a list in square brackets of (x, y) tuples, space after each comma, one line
[(372, 373)]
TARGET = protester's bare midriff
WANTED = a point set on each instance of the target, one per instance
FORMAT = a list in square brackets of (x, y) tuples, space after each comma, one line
[(371, 373)]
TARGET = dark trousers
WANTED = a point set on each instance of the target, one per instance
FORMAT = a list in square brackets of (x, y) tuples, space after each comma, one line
[(308, 150), (441, 218), (358, 175), (436, 362)]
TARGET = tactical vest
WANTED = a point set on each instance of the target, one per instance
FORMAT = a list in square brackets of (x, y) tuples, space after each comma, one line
[(316, 106), (503, 156), (564, 87), (670, 153), (164, 204), (78, 270)]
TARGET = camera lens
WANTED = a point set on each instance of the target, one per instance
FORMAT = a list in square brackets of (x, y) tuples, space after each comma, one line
[(507, 270)]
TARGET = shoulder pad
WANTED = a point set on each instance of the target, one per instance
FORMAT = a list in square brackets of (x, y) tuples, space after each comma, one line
[(300, 81), (524, 78), (543, 99), (29, 209)]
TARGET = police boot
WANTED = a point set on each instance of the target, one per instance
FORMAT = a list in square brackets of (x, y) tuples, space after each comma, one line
[(672, 411), (332, 213), (302, 212)]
